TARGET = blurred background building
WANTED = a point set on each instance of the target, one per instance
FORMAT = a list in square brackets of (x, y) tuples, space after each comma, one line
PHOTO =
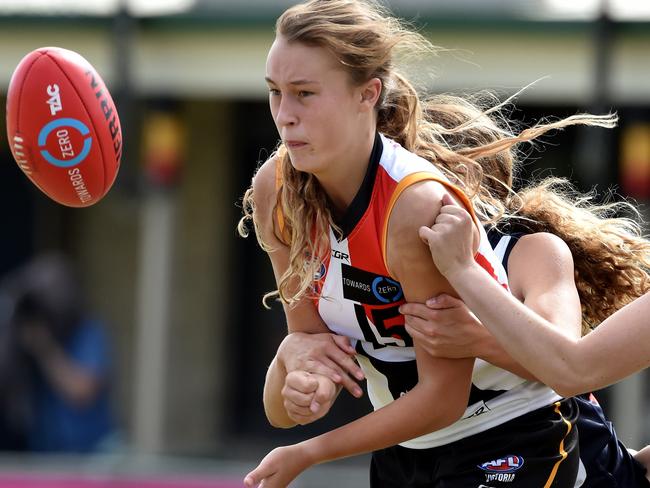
[(159, 256)]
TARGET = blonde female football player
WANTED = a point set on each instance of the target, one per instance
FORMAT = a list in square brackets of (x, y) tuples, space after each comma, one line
[(535, 257), (361, 168), (535, 262)]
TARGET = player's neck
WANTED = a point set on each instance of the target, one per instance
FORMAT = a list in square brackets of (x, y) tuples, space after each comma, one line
[(343, 182)]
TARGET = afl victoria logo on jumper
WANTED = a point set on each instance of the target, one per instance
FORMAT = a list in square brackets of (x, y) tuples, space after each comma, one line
[(506, 464)]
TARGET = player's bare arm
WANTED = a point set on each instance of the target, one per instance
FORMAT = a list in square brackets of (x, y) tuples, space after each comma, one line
[(417, 412), (540, 275), (576, 364), (301, 317)]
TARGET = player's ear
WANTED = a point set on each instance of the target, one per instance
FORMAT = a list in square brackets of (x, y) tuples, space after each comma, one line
[(370, 92)]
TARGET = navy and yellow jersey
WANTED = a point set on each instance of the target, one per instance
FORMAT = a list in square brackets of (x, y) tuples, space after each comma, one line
[(604, 459)]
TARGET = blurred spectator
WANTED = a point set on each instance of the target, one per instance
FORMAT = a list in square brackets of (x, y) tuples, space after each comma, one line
[(14, 396), (54, 362)]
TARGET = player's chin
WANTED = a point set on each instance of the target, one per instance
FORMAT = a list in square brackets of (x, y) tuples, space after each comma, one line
[(307, 163)]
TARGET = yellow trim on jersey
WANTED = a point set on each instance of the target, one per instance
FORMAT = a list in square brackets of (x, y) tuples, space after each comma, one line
[(278, 209), (403, 185), (563, 453)]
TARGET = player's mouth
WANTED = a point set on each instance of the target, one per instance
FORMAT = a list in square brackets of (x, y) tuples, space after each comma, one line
[(293, 145)]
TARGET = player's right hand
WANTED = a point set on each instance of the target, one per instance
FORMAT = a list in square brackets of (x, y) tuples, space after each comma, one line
[(450, 238), (308, 397), (330, 355), (446, 328), (279, 467)]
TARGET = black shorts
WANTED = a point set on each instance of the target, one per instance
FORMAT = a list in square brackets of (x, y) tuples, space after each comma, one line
[(536, 450), (606, 460)]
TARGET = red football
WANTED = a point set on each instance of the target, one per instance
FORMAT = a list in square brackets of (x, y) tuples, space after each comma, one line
[(63, 127)]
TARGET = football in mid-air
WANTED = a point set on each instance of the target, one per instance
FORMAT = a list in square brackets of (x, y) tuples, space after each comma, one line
[(63, 127)]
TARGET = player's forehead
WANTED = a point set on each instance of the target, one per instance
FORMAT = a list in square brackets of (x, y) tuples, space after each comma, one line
[(290, 61)]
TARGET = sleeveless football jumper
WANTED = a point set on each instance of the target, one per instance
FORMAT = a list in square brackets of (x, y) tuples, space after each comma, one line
[(360, 299), (514, 431)]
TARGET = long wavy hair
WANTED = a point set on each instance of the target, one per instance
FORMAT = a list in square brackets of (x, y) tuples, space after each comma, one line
[(611, 256), (467, 138)]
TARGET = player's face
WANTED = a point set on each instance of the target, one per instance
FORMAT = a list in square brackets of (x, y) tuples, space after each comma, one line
[(313, 105)]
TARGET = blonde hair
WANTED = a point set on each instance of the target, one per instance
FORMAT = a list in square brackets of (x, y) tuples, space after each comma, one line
[(473, 145)]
